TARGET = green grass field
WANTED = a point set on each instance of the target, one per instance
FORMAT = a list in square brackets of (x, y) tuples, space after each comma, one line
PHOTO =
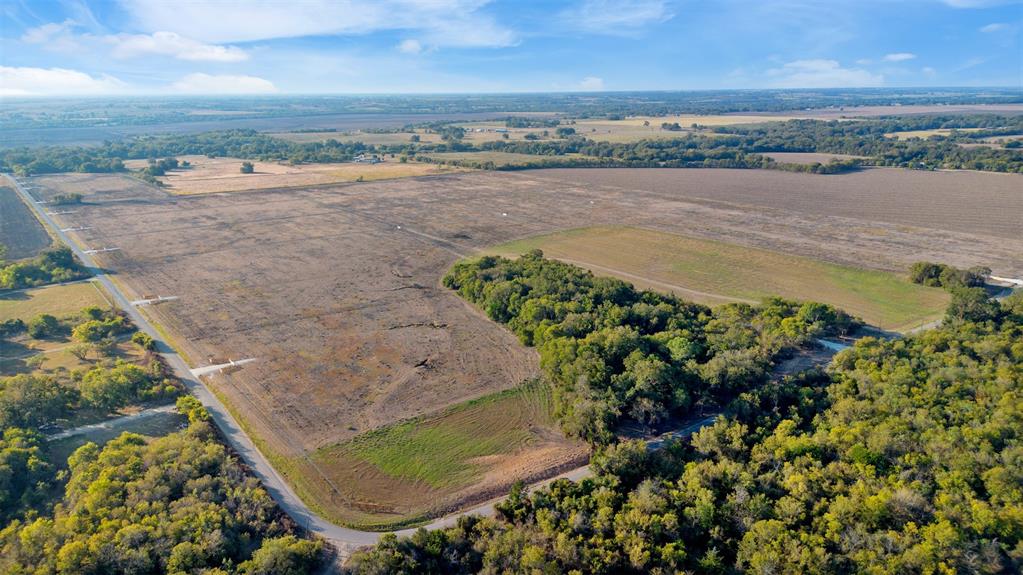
[(57, 300), (439, 450), (714, 272)]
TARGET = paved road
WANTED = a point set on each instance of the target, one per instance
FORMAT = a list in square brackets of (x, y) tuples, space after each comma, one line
[(343, 538)]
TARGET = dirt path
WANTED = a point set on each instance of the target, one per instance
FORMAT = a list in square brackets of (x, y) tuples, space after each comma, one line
[(115, 423)]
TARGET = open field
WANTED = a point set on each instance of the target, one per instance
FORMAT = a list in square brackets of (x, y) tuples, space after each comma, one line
[(334, 290), (57, 300), (468, 452), (924, 134), (807, 157), (711, 272), (967, 202), (372, 138), (498, 158), (210, 175), (20, 231), (898, 110)]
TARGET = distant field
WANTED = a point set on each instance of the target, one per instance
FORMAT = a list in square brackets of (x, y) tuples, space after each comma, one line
[(364, 137), (924, 134), (58, 300), (498, 158), (710, 272), (20, 231), (461, 454), (223, 174), (807, 157)]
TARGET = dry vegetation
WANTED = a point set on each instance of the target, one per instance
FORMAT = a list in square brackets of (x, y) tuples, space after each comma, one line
[(335, 289), (210, 175), (807, 157), (20, 231)]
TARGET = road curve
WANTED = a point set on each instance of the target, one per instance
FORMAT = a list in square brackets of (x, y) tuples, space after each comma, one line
[(343, 538)]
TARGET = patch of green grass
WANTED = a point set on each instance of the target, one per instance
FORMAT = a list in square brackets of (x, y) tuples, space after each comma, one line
[(57, 300), (711, 272), (439, 450)]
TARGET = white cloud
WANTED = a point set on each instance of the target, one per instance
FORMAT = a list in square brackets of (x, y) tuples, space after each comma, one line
[(223, 84), (929, 72), (174, 45), (995, 27), (591, 84), (821, 74), (410, 47), (53, 36), (616, 16), (863, 62), (441, 22), (899, 57), (63, 38), (21, 81)]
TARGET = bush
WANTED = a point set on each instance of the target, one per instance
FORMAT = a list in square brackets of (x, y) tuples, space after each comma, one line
[(43, 325)]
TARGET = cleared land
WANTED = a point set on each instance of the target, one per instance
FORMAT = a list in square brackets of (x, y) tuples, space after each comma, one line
[(711, 272), (874, 111), (924, 134), (57, 300), (210, 175), (335, 289), (20, 231), (498, 158), (967, 202)]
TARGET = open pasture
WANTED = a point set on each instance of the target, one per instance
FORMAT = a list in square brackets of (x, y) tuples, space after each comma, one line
[(712, 272), (807, 157), (924, 134), (210, 175), (334, 289), (57, 300)]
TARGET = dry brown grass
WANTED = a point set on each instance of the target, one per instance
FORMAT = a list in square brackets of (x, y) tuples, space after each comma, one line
[(211, 175)]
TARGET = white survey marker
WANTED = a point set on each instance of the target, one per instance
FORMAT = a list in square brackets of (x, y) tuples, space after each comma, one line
[(59, 213), (78, 229), (220, 366), (99, 251), (154, 300)]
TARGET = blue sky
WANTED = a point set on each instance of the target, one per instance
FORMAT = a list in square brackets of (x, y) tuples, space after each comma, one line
[(79, 47)]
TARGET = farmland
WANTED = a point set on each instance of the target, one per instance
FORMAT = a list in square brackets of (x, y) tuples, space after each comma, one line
[(924, 134), (334, 291), (714, 272), (210, 175), (20, 231), (807, 157), (468, 452)]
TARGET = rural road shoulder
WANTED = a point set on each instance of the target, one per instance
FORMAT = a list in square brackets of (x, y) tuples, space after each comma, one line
[(343, 538)]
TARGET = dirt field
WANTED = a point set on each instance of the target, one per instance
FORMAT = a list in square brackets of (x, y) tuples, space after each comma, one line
[(979, 203), (20, 231), (335, 289), (714, 272), (223, 174)]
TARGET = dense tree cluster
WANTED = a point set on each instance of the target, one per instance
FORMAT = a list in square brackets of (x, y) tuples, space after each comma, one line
[(53, 265), (109, 157), (904, 458), (612, 352), (178, 504), (946, 276)]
